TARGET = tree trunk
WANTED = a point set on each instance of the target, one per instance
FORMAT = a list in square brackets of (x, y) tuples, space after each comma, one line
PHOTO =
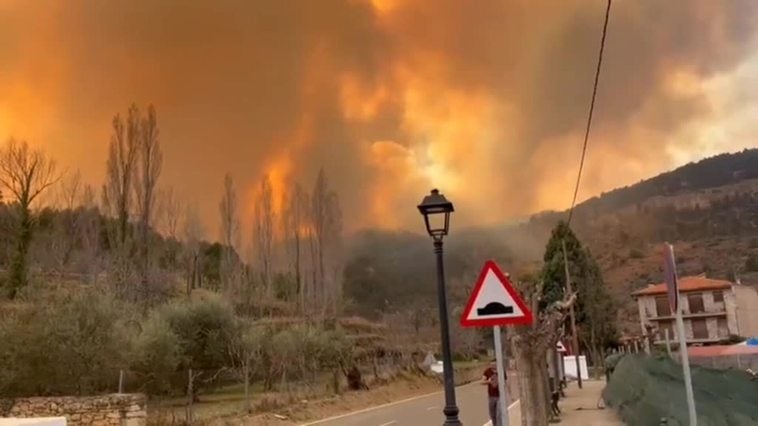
[(298, 280), (18, 278), (336, 381), (190, 394), (246, 369), (322, 275), (597, 359), (375, 365), (532, 383), (189, 277)]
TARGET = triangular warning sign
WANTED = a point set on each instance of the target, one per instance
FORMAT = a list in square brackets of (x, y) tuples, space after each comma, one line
[(494, 301)]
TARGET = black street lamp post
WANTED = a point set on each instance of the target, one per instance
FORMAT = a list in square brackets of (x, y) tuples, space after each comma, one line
[(436, 210)]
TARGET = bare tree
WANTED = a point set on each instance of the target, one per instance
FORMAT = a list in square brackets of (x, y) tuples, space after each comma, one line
[(150, 165), (193, 235), (25, 174), (89, 233), (334, 255), (122, 160), (530, 346), (244, 349), (326, 223), (172, 212), (64, 238), (69, 190), (294, 223), (263, 230), (117, 190), (230, 231)]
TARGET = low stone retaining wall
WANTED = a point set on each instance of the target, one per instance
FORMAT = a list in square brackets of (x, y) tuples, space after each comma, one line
[(105, 410), (469, 374)]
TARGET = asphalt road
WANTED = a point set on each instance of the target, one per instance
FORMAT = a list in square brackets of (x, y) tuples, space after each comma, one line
[(419, 411)]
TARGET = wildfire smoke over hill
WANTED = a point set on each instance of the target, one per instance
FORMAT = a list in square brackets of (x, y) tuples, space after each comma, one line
[(390, 97)]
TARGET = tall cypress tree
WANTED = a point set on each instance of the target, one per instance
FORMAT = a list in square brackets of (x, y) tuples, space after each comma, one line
[(595, 308)]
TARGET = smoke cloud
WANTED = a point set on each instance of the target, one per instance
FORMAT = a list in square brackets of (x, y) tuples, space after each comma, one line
[(486, 101)]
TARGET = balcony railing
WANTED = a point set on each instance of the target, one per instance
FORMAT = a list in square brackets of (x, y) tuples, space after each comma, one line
[(685, 315), (690, 340)]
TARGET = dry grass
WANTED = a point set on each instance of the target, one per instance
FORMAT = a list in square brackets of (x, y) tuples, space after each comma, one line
[(305, 403)]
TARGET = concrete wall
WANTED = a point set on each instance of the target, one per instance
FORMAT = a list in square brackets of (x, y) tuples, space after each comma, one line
[(747, 310), (646, 306), (106, 410), (730, 302), (741, 362), (38, 421), (710, 304)]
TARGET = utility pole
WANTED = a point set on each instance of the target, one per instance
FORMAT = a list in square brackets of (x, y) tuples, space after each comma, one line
[(572, 318)]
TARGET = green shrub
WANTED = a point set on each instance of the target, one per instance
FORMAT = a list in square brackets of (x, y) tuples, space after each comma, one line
[(73, 346), (205, 330), (156, 354)]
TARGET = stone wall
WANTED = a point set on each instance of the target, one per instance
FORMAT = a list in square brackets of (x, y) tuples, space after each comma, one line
[(105, 410)]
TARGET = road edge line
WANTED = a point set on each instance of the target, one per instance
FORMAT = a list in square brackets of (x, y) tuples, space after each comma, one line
[(389, 404), (518, 401)]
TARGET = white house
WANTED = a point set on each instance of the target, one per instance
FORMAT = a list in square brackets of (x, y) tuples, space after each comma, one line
[(712, 310)]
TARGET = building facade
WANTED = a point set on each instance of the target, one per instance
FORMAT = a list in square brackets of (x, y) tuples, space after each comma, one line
[(712, 310)]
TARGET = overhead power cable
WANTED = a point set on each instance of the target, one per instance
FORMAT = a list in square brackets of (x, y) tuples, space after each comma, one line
[(589, 116), (572, 317)]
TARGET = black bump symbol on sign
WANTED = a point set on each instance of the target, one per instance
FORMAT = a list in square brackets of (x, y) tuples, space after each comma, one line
[(494, 308)]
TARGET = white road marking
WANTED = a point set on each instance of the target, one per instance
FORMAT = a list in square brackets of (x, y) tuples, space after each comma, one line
[(431, 408), (388, 423), (489, 423), (366, 410)]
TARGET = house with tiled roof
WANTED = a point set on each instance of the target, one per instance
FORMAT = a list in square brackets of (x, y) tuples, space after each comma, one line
[(712, 310)]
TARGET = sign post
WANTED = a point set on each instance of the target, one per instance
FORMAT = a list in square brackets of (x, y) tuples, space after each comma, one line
[(669, 271), (501, 387), (494, 303), (668, 343)]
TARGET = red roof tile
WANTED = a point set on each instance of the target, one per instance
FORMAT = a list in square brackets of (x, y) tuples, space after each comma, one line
[(686, 284)]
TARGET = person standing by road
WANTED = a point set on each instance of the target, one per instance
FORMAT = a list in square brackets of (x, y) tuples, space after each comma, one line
[(489, 379)]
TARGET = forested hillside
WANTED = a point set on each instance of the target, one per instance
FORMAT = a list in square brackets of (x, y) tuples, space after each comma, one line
[(708, 210)]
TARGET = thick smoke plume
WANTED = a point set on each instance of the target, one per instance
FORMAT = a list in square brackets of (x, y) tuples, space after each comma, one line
[(486, 100)]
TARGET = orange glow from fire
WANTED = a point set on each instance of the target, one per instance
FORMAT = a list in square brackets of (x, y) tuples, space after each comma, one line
[(360, 103), (279, 172), (384, 6), (390, 97)]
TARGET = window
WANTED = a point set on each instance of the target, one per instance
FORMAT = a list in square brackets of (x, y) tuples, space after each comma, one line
[(666, 325), (662, 307), (723, 327), (699, 329), (718, 296), (696, 303)]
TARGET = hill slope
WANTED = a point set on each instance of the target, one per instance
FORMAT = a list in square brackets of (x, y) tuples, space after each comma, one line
[(708, 210)]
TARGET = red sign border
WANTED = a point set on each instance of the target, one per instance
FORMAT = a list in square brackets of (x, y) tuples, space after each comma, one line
[(526, 319)]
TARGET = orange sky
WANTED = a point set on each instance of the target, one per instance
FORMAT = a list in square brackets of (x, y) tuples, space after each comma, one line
[(486, 100)]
